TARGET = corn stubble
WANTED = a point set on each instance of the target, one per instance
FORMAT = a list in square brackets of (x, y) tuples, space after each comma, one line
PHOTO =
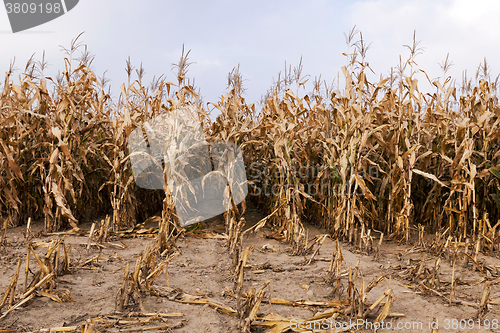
[(43, 283)]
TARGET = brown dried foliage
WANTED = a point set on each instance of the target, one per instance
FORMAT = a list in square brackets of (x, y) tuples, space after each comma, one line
[(386, 156)]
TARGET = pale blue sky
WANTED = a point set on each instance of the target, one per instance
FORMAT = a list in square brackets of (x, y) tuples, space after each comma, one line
[(261, 36)]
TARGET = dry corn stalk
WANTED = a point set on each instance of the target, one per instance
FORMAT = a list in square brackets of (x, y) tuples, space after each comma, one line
[(373, 155), (249, 307), (483, 305)]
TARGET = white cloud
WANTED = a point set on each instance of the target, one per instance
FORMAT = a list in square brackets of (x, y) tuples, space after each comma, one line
[(477, 15), (468, 30), (261, 36)]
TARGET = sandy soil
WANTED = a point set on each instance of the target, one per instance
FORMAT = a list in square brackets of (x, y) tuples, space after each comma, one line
[(204, 268)]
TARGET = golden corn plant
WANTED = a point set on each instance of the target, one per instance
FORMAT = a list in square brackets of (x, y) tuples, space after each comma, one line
[(379, 156)]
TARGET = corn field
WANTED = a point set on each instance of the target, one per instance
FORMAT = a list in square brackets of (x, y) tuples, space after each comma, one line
[(380, 156)]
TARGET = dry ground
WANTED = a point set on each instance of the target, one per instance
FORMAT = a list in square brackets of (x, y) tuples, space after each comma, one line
[(204, 267)]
